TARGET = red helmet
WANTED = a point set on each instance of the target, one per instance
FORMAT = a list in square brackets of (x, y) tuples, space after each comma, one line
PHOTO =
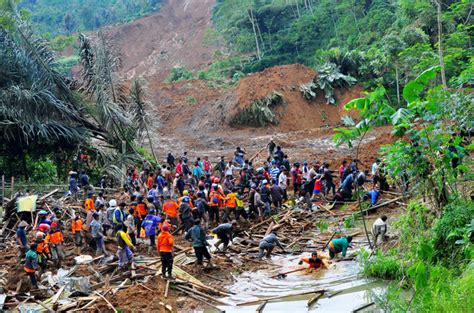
[(54, 224), (216, 180)]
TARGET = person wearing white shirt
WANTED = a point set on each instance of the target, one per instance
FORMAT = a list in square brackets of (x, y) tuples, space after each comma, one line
[(283, 181), (375, 166), (379, 228)]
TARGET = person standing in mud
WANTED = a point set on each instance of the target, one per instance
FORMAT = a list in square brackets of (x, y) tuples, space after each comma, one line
[(220, 167), (271, 148), (170, 160), (165, 243), (31, 264), (198, 237), (125, 247), (296, 177), (55, 241)]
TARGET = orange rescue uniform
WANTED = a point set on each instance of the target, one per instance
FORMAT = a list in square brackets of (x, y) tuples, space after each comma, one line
[(165, 242), (230, 201), (170, 208), (42, 247), (89, 204), (55, 237), (77, 226)]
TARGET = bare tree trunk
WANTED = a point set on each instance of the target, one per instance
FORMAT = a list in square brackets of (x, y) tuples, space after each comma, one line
[(250, 14), (397, 80), (150, 142), (334, 23), (259, 33), (297, 8), (440, 47), (358, 195)]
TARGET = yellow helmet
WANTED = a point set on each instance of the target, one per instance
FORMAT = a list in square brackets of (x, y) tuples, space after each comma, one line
[(185, 193)]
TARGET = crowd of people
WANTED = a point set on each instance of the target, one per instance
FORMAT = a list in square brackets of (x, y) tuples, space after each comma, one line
[(192, 199)]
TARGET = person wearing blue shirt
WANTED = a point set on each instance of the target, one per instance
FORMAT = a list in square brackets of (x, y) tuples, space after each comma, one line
[(21, 239), (348, 181), (373, 195), (198, 237), (150, 223), (274, 171), (160, 183)]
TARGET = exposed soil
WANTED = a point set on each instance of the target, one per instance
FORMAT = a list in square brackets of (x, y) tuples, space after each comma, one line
[(173, 36), (299, 113), (194, 115)]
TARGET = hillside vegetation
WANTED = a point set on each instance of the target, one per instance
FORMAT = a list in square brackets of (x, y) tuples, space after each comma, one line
[(68, 16), (376, 41)]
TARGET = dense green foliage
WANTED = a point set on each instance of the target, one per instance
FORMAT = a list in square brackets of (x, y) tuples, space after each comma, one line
[(47, 118), (327, 78), (376, 41), (434, 256), (68, 16), (260, 113)]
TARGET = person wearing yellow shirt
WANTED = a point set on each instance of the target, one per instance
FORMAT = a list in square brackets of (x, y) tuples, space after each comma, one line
[(125, 247)]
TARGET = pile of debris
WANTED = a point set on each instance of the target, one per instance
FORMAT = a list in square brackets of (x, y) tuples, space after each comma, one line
[(95, 283)]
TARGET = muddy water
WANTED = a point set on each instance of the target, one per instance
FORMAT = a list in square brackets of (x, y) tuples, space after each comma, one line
[(341, 276)]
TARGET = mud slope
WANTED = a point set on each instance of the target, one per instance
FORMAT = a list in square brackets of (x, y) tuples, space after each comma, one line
[(300, 113), (195, 114), (153, 45)]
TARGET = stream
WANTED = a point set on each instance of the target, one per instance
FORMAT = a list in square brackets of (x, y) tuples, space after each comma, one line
[(343, 276)]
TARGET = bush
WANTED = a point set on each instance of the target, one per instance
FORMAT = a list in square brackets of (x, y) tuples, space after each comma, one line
[(327, 78), (384, 266), (260, 113), (42, 171), (179, 73), (449, 231)]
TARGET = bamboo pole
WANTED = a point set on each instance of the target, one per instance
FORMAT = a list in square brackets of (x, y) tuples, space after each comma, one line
[(3, 190)]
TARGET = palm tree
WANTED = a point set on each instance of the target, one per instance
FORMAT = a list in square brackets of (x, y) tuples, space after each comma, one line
[(140, 115)]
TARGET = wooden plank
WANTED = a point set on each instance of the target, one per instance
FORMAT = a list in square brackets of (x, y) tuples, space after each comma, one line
[(167, 288), (168, 307), (363, 307), (107, 301), (289, 272), (332, 294), (280, 297), (261, 307), (314, 299), (49, 194), (55, 298)]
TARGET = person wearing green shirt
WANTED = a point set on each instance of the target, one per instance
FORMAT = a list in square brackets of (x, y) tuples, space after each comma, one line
[(339, 245)]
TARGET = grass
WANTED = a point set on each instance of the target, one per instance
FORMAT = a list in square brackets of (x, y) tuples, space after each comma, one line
[(191, 100)]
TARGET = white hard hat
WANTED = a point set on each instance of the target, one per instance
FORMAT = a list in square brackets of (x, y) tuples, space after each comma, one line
[(113, 203), (39, 235)]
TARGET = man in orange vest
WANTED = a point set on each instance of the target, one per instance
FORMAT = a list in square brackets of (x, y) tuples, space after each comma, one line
[(89, 202), (42, 251), (230, 205), (164, 246), (216, 200), (77, 228), (315, 261), (31, 264), (55, 241), (170, 208), (140, 213)]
